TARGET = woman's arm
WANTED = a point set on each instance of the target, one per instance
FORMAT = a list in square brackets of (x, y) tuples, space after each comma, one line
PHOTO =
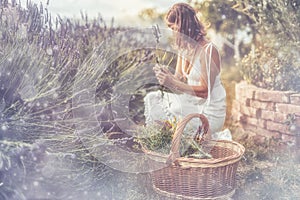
[(167, 79), (195, 90), (210, 58), (178, 69)]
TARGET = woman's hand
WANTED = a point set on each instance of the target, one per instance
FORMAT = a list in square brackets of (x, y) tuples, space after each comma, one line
[(164, 76)]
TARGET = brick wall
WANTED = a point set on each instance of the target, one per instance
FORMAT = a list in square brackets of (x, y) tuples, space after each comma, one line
[(262, 113)]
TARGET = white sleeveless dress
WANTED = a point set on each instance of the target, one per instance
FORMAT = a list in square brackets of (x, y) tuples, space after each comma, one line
[(170, 105)]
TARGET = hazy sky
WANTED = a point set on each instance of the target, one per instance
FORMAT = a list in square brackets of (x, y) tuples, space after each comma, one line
[(107, 8)]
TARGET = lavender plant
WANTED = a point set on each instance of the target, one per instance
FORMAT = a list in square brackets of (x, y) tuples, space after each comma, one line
[(40, 57)]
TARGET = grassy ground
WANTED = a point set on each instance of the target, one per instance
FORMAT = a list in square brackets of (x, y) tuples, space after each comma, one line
[(267, 173)]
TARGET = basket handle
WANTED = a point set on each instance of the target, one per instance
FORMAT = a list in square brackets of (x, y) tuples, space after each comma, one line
[(174, 154)]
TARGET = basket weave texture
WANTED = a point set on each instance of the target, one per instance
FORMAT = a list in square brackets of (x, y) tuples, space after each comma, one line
[(191, 178)]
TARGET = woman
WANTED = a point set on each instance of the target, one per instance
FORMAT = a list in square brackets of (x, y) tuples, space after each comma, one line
[(196, 84)]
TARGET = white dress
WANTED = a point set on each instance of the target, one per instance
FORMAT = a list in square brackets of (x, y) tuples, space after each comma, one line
[(170, 105)]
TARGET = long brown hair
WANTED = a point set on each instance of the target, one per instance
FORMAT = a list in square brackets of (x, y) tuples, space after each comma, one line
[(187, 23)]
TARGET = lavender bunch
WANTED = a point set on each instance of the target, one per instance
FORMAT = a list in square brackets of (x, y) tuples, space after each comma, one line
[(157, 34)]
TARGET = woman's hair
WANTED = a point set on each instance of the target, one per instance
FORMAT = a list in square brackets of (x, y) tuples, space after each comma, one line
[(184, 17)]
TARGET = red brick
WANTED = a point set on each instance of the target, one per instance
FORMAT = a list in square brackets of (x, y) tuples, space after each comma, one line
[(244, 90), (282, 128), (295, 99), (252, 112), (243, 119), (247, 102), (268, 115), (280, 117), (256, 122), (273, 116), (273, 96), (261, 105), (235, 115), (262, 131), (287, 108), (249, 127)]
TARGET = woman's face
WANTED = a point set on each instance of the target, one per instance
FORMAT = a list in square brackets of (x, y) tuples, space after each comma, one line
[(174, 28)]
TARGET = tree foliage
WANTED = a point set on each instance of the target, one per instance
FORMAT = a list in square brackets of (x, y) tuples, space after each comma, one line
[(273, 17), (222, 16), (275, 63)]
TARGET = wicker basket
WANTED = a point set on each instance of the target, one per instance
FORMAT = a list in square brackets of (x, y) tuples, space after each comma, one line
[(190, 178)]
